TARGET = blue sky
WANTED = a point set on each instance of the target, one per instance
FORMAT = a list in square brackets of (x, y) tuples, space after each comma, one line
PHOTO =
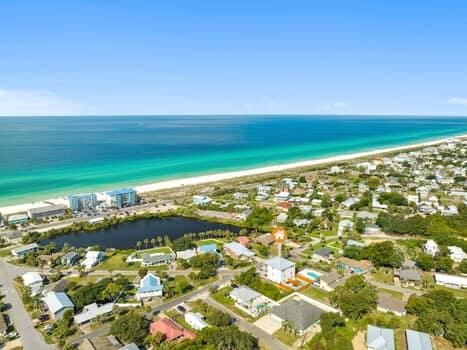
[(196, 57)]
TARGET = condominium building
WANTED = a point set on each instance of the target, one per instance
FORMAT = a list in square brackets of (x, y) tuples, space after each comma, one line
[(123, 197), (82, 201)]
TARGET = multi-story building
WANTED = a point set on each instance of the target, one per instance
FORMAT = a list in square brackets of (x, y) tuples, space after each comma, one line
[(123, 197), (83, 201)]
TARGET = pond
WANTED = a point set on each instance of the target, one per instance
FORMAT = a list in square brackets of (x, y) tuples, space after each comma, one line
[(126, 235)]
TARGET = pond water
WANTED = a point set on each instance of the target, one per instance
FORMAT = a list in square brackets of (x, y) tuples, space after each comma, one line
[(126, 235)]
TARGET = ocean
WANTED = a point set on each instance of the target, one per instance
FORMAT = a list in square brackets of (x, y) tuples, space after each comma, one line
[(45, 157)]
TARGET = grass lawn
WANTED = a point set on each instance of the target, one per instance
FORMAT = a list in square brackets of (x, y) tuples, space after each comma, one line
[(157, 250), (288, 338), (179, 318), (218, 242), (117, 261), (316, 293), (392, 293), (383, 276), (5, 252)]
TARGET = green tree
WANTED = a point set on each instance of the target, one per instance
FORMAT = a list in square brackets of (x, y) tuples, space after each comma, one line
[(355, 298), (425, 262), (131, 328)]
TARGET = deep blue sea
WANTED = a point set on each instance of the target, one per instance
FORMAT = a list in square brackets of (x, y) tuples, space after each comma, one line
[(44, 157)]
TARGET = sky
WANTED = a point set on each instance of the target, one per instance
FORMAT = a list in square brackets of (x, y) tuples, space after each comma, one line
[(233, 57)]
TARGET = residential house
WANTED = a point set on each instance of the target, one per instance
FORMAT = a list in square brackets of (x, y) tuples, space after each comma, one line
[(92, 258), (34, 281), (279, 270), (201, 200), (265, 239), (69, 259), (243, 240), (92, 311), (408, 277), (249, 300), (18, 219), (236, 250), (301, 314), (131, 346), (387, 303), (282, 196), (372, 229), (149, 286), (353, 243), (329, 281), (456, 254), (186, 254), (349, 202), (281, 218), (418, 340), (22, 251), (323, 254), (170, 330), (451, 281), (378, 338), (430, 247), (156, 259), (195, 320), (58, 304), (354, 266), (344, 225)]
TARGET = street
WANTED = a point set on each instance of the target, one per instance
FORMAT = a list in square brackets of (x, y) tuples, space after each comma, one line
[(264, 338), (30, 337)]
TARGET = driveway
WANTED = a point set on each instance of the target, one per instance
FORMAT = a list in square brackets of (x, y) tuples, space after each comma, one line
[(268, 324), (264, 338), (30, 337)]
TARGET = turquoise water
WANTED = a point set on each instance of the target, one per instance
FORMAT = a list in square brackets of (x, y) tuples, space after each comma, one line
[(313, 275), (43, 157)]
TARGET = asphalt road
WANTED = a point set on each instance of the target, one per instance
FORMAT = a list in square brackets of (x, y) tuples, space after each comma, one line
[(265, 338), (30, 337)]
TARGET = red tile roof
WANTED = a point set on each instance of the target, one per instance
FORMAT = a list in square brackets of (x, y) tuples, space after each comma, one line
[(170, 330), (243, 240)]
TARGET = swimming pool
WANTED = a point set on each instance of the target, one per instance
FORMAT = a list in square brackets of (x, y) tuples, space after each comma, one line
[(313, 275)]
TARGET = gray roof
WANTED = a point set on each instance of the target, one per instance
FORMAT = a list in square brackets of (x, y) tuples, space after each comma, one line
[(330, 277), (418, 340), (410, 274), (57, 302), (324, 252), (300, 313), (24, 248), (390, 303), (380, 338), (279, 263), (156, 258), (131, 346), (244, 294), (47, 209)]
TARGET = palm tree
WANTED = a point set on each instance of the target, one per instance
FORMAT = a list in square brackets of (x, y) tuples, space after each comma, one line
[(202, 235), (153, 242), (146, 242), (159, 240), (138, 245)]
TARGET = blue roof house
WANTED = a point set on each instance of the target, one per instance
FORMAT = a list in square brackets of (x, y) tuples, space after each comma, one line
[(378, 338), (149, 286), (418, 340)]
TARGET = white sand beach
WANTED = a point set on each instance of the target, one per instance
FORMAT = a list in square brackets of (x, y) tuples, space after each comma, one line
[(204, 179)]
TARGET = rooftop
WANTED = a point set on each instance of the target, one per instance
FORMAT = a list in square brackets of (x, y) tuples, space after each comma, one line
[(300, 313), (279, 263), (418, 340)]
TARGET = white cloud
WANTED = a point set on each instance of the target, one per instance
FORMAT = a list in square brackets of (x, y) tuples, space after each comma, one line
[(15, 102), (336, 106), (458, 101)]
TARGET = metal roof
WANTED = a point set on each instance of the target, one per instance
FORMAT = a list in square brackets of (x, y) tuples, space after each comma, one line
[(279, 263), (418, 340)]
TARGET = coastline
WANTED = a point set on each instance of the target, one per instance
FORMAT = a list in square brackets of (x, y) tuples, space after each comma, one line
[(206, 179)]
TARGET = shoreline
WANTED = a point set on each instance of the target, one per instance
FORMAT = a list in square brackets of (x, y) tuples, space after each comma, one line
[(206, 179)]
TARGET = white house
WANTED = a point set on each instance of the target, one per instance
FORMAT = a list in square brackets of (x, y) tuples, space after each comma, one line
[(149, 286), (344, 225), (195, 320), (58, 304), (279, 270), (430, 247), (282, 196), (281, 218), (457, 254), (201, 200), (92, 258), (34, 281), (451, 281), (93, 311)]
